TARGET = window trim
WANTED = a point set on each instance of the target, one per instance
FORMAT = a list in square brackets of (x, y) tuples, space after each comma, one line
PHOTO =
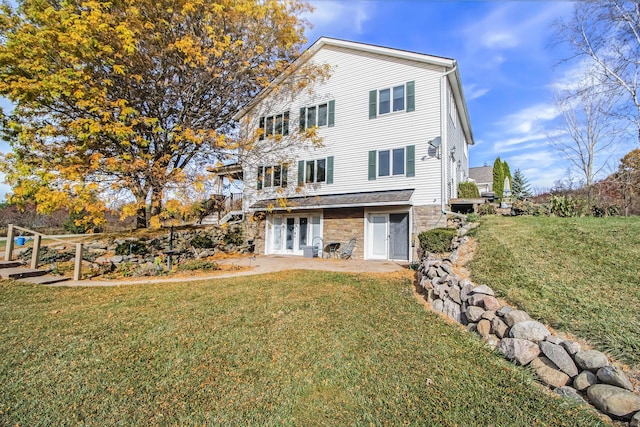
[(408, 163), (329, 116), (408, 99), (313, 165), (275, 173), (269, 125)]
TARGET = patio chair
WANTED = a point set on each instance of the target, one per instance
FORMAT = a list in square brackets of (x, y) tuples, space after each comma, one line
[(318, 247), (347, 251)]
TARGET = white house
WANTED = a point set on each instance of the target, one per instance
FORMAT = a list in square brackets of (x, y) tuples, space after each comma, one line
[(395, 134)]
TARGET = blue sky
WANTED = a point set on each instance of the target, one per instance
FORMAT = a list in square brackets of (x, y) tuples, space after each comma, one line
[(507, 61)]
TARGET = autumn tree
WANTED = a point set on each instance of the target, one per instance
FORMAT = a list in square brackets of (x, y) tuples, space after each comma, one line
[(130, 99)]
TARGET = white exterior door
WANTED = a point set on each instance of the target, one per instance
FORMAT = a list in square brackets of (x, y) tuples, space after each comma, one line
[(290, 234), (378, 230)]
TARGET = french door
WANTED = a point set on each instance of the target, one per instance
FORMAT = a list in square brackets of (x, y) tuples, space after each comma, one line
[(290, 234)]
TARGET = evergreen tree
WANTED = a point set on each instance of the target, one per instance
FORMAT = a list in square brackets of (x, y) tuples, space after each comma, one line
[(520, 187), (498, 178), (506, 172)]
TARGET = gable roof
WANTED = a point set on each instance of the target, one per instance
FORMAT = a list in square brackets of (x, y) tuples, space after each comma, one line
[(450, 67), (481, 174)]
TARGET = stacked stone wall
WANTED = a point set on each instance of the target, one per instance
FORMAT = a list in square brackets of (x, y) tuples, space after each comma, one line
[(563, 365)]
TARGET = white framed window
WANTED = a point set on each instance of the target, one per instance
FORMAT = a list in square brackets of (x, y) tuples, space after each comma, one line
[(272, 176), (321, 115), (392, 99), (277, 124), (315, 171), (391, 162)]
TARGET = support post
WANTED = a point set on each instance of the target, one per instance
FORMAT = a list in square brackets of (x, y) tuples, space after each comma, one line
[(77, 271), (35, 252), (8, 250)]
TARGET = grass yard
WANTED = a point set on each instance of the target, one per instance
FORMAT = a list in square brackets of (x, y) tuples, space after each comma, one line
[(577, 274), (293, 348)]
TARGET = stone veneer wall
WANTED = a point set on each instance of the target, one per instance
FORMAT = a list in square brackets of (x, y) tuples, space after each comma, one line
[(342, 224), (563, 365)]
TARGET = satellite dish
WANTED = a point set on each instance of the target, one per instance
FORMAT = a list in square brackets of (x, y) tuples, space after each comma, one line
[(436, 142)]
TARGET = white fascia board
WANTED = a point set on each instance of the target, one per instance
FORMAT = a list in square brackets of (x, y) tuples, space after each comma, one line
[(461, 104)]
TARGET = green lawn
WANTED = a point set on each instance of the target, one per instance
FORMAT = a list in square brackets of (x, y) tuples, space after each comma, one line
[(294, 348), (577, 274)]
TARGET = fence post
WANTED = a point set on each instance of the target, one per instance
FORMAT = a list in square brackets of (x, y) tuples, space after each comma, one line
[(77, 270), (35, 251), (8, 250)]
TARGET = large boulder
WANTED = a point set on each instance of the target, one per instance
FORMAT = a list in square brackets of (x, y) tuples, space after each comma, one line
[(486, 301), (559, 357), (614, 401), (452, 310), (516, 316), (521, 351), (474, 314), (614, 376), (483, 289), (548, 372), (529, 330), (591, 360), (499, 327), (570, 393)]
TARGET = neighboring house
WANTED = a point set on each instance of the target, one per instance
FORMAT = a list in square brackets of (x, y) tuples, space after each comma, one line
[(395, 134), (483, 177)]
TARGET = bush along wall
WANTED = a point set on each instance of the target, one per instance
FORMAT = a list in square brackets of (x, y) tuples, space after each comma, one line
[(563, 365)]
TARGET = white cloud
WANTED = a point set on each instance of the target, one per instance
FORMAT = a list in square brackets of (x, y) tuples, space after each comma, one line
[(472, 91), (339, 17)]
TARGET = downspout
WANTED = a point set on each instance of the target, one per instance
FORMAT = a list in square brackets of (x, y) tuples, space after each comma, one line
[(444, 153)]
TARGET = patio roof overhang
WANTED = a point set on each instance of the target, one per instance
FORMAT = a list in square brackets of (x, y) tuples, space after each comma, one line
[(348, 200)]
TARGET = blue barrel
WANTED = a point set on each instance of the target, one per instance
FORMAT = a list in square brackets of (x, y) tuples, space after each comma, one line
[(20, 241)]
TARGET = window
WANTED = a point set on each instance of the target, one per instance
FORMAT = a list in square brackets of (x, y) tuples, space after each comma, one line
[(395, 162), (315, 171), (318, 115), (393, 99), (391, 162), (274, 125), (272, 176)]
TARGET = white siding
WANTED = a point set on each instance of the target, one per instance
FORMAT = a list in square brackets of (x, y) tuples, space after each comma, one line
[(354, 74)]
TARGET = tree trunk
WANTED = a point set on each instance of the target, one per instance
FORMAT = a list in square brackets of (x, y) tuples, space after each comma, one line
[(141, 217), (156, 201)]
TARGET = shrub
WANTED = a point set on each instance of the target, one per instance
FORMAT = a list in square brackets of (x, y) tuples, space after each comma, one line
[(487, 209), (567, 206), (437, 240), (468, 190), (233, 236), (198, 264), (473, 217), (131, 248), (525, 207), (202, 241)]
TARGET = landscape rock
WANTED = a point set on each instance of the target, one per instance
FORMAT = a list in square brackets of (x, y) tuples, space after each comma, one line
[(499, 327), (559, 357), (116, 259), (635, 420), (452, 310), (483, 289), (571, 347), (529, 330), (492, 341), (447, 267), (486, 301), (548, 373), (465, 291), (570, 393), (614, 401), (474, 314), (437, 305), (504, 310), (516, 316), (484, 328), (614, 376), (489, 315), (522, 351), (454, 294), (591, 360), (554, 340), (584, 380)]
